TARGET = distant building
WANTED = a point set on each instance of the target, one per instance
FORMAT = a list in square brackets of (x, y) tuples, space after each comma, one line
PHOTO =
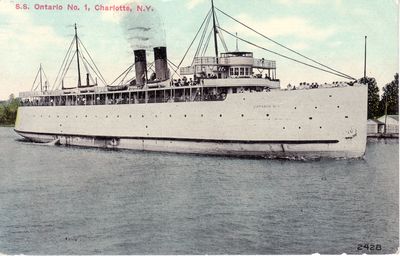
[(392, 123), (375, 127)]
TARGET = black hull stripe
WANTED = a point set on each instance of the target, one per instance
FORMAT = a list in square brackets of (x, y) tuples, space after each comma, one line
[(188, 139)]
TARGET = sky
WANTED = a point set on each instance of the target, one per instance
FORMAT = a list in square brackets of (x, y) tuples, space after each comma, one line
[(329, 31)]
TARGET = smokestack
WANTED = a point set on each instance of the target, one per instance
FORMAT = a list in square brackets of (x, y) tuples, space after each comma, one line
[(160, 60), (140, 67)]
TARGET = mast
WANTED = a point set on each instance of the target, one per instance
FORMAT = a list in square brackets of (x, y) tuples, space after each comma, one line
[(365, 58), (237, 46), (40, 71), (77, 56), (215, 31)]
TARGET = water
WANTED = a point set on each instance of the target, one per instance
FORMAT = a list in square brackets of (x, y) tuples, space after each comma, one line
[(67, 200)]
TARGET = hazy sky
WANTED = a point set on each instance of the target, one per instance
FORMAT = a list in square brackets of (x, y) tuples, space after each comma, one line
[(330, 31)]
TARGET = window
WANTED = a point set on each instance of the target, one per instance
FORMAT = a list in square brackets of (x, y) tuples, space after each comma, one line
[(246, 71), (231, 71), (242, 71), (236, 71)]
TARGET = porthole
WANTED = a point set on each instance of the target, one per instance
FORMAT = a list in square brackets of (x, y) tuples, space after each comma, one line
[(315, 107), (57, 116), (283, 127), (242, 115), (130, 116), (86, 116), (330, 96), (346, 117), (299, 127), (146, 126), (184, 115), (66, 116), (320, 127), (106, 116), (201, 115), (295, 107), (338, 106), (117, 116), (310, 118), (170, 115), (220, 115), (267, 115), (155, 116), (142, 115), (244, 98)]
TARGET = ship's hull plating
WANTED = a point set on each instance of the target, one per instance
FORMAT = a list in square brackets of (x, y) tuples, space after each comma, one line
[(328, 122)]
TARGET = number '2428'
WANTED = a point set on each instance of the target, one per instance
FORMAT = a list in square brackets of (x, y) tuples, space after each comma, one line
[(369, 247)]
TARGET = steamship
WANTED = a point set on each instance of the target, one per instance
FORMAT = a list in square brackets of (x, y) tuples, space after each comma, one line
[(228, 104)]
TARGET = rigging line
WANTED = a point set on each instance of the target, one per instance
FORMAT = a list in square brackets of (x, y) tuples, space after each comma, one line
[(207, 43), (203, 35), (62, 64), (84, 60), (66, 70), (97, 74), (35, 81), (172, 65), (90, 57), (220, 35), (96, 71), (90, 75), (287, 48), (126, 74), (47, 79), (86, 68), (202, 38), (130, 80), (126, 70), (198, 31), (281, 55), (84, 64), (150, 68)]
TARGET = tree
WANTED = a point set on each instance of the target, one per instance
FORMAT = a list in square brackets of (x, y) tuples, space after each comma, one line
[(373, 96), (390, 97), (11, 97), (8, 110)]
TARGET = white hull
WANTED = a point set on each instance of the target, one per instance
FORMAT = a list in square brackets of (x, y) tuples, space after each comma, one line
[(326, 122)]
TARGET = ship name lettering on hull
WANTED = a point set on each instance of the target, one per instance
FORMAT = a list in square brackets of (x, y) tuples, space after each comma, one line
[(265, 106)]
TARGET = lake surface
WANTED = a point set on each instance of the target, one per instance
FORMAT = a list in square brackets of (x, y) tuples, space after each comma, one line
[(68, 200)]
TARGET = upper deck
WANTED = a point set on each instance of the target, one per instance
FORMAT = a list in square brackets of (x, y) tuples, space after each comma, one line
[(229, 65)]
